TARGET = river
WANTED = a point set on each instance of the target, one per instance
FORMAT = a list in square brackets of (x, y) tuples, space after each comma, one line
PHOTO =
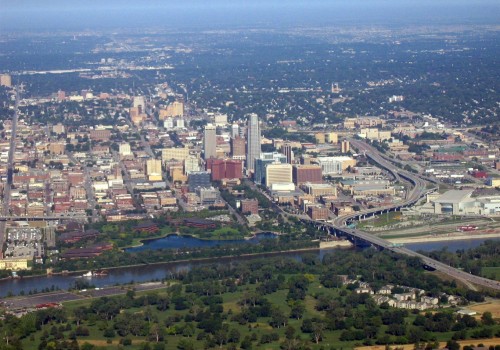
[(176, 241), (160, 271)]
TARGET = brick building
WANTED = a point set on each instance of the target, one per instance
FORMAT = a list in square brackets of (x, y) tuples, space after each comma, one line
[(250, 206), (307, 173)]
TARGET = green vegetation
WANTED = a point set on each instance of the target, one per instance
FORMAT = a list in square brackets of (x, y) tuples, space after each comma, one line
[(491, 272), (382, 220), (482, 260), (259, 304), (280, 133)]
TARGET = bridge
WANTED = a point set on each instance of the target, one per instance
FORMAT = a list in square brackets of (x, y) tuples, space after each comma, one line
[(343, 225)]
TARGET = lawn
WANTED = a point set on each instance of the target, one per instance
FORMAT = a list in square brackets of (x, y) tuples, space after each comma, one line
[(491, 272), (390, 218)]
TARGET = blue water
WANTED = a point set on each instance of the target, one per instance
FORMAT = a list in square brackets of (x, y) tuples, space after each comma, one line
[(176, 241)]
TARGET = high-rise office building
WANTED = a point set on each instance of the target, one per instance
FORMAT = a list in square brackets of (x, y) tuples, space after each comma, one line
[(263, 161), (238, 148), (210, 142), (253, 139), (345, 146), (217, 168), (331, 137), (278, 173), (225, 169), (234, 169), (198, 179), (153, 169), (235, 130), (191, 163), (287, 151), (307, 173)]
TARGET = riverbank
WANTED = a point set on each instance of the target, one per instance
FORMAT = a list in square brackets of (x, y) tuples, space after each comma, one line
[(136, 273), (176, 262), (442, 238)]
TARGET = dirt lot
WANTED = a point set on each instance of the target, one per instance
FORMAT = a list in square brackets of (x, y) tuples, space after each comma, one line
[(491, 305)]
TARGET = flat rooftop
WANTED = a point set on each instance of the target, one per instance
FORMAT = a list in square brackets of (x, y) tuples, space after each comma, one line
[(454, 196)]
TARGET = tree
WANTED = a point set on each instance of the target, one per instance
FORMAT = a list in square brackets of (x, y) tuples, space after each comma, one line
[(487, 319), (318, 328), (156, 332), (185, 344), (234, 336), (278, 318), (452, 345), (297, 310), (221, 337), (80, 313)]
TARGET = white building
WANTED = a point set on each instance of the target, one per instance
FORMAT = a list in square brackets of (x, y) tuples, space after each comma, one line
[(168, 123), (278, 173), (124, 149), (179, 123), (235, 131), (335, 165), (191, 163)]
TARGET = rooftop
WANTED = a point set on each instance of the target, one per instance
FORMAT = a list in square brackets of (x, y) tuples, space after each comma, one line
[(454, 196)]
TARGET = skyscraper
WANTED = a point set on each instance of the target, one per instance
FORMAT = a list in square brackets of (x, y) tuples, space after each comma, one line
[(210, 142), (345, 146), (287, 151), (253, 141), (235, 130)]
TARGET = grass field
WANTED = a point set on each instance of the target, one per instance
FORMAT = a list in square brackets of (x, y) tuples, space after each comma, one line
[(491, 272), (382, 220), (492, 305)]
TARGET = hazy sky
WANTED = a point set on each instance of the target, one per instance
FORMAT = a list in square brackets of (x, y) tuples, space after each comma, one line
[(75, 14)]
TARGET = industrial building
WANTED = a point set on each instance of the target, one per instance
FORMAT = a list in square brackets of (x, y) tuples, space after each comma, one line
[(461, 202)]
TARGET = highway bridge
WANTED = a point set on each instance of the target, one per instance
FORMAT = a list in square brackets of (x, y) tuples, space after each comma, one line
[(341, 225)]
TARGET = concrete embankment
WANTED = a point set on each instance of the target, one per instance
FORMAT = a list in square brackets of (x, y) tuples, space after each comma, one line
[(336, 244)]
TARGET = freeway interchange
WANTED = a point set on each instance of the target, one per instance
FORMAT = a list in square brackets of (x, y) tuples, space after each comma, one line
[(419, 190)]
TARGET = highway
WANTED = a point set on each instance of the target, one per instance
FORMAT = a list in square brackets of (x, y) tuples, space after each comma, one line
[(10, 170), (418, 191)]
